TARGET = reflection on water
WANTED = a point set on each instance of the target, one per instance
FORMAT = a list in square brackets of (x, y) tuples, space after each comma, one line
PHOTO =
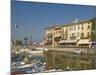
[(54, 60), (70, 61)]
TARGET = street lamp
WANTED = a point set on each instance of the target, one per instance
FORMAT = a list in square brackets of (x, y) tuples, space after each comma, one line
[(15, 27)]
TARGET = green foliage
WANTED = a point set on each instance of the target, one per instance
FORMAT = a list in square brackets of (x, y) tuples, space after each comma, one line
[(93, 24), (18, 43), (93, 36), (93, 33)]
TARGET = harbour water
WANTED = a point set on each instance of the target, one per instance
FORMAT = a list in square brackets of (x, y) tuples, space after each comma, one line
[(54, 60), (67, 61)]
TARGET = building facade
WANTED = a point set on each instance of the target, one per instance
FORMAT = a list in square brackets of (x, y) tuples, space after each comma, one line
[(70, 34)]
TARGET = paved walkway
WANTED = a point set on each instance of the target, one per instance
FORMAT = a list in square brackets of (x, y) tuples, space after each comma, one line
[(77, 50)]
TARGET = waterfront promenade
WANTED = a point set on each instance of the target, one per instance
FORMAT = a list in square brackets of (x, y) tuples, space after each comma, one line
[(77, 50)]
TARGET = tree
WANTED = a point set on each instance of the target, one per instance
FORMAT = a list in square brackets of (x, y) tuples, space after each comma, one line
[(93, 36), (18, 42), (93, 33)]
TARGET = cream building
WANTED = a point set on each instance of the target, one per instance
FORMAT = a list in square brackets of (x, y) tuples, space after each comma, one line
[(48, 36), (70, 34), (57, 35)]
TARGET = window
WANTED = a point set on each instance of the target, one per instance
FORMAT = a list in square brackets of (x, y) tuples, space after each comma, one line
[(78, 27), (88, 35), (88, 27), (71, 28), (82, 35), (66, 30), (74, 27), (82, 27), (72, 34)]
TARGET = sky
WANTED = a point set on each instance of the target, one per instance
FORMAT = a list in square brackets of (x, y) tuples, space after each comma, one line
[(33, 17)]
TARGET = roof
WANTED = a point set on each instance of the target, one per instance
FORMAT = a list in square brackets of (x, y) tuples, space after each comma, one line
[(80, 22), (54, 27), (69, 24), (68, 41)]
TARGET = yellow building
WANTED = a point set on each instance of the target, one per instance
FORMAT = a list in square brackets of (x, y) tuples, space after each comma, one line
[(57, 34), (53, 36), (71, 34)]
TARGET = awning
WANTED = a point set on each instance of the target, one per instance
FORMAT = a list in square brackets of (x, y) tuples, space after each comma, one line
[(68, 41), (84, 41), (57, 35), (62, 41), (93, 42)]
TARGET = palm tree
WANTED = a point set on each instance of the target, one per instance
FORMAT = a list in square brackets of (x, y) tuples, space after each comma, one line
[(25, 38), (18, 42)]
